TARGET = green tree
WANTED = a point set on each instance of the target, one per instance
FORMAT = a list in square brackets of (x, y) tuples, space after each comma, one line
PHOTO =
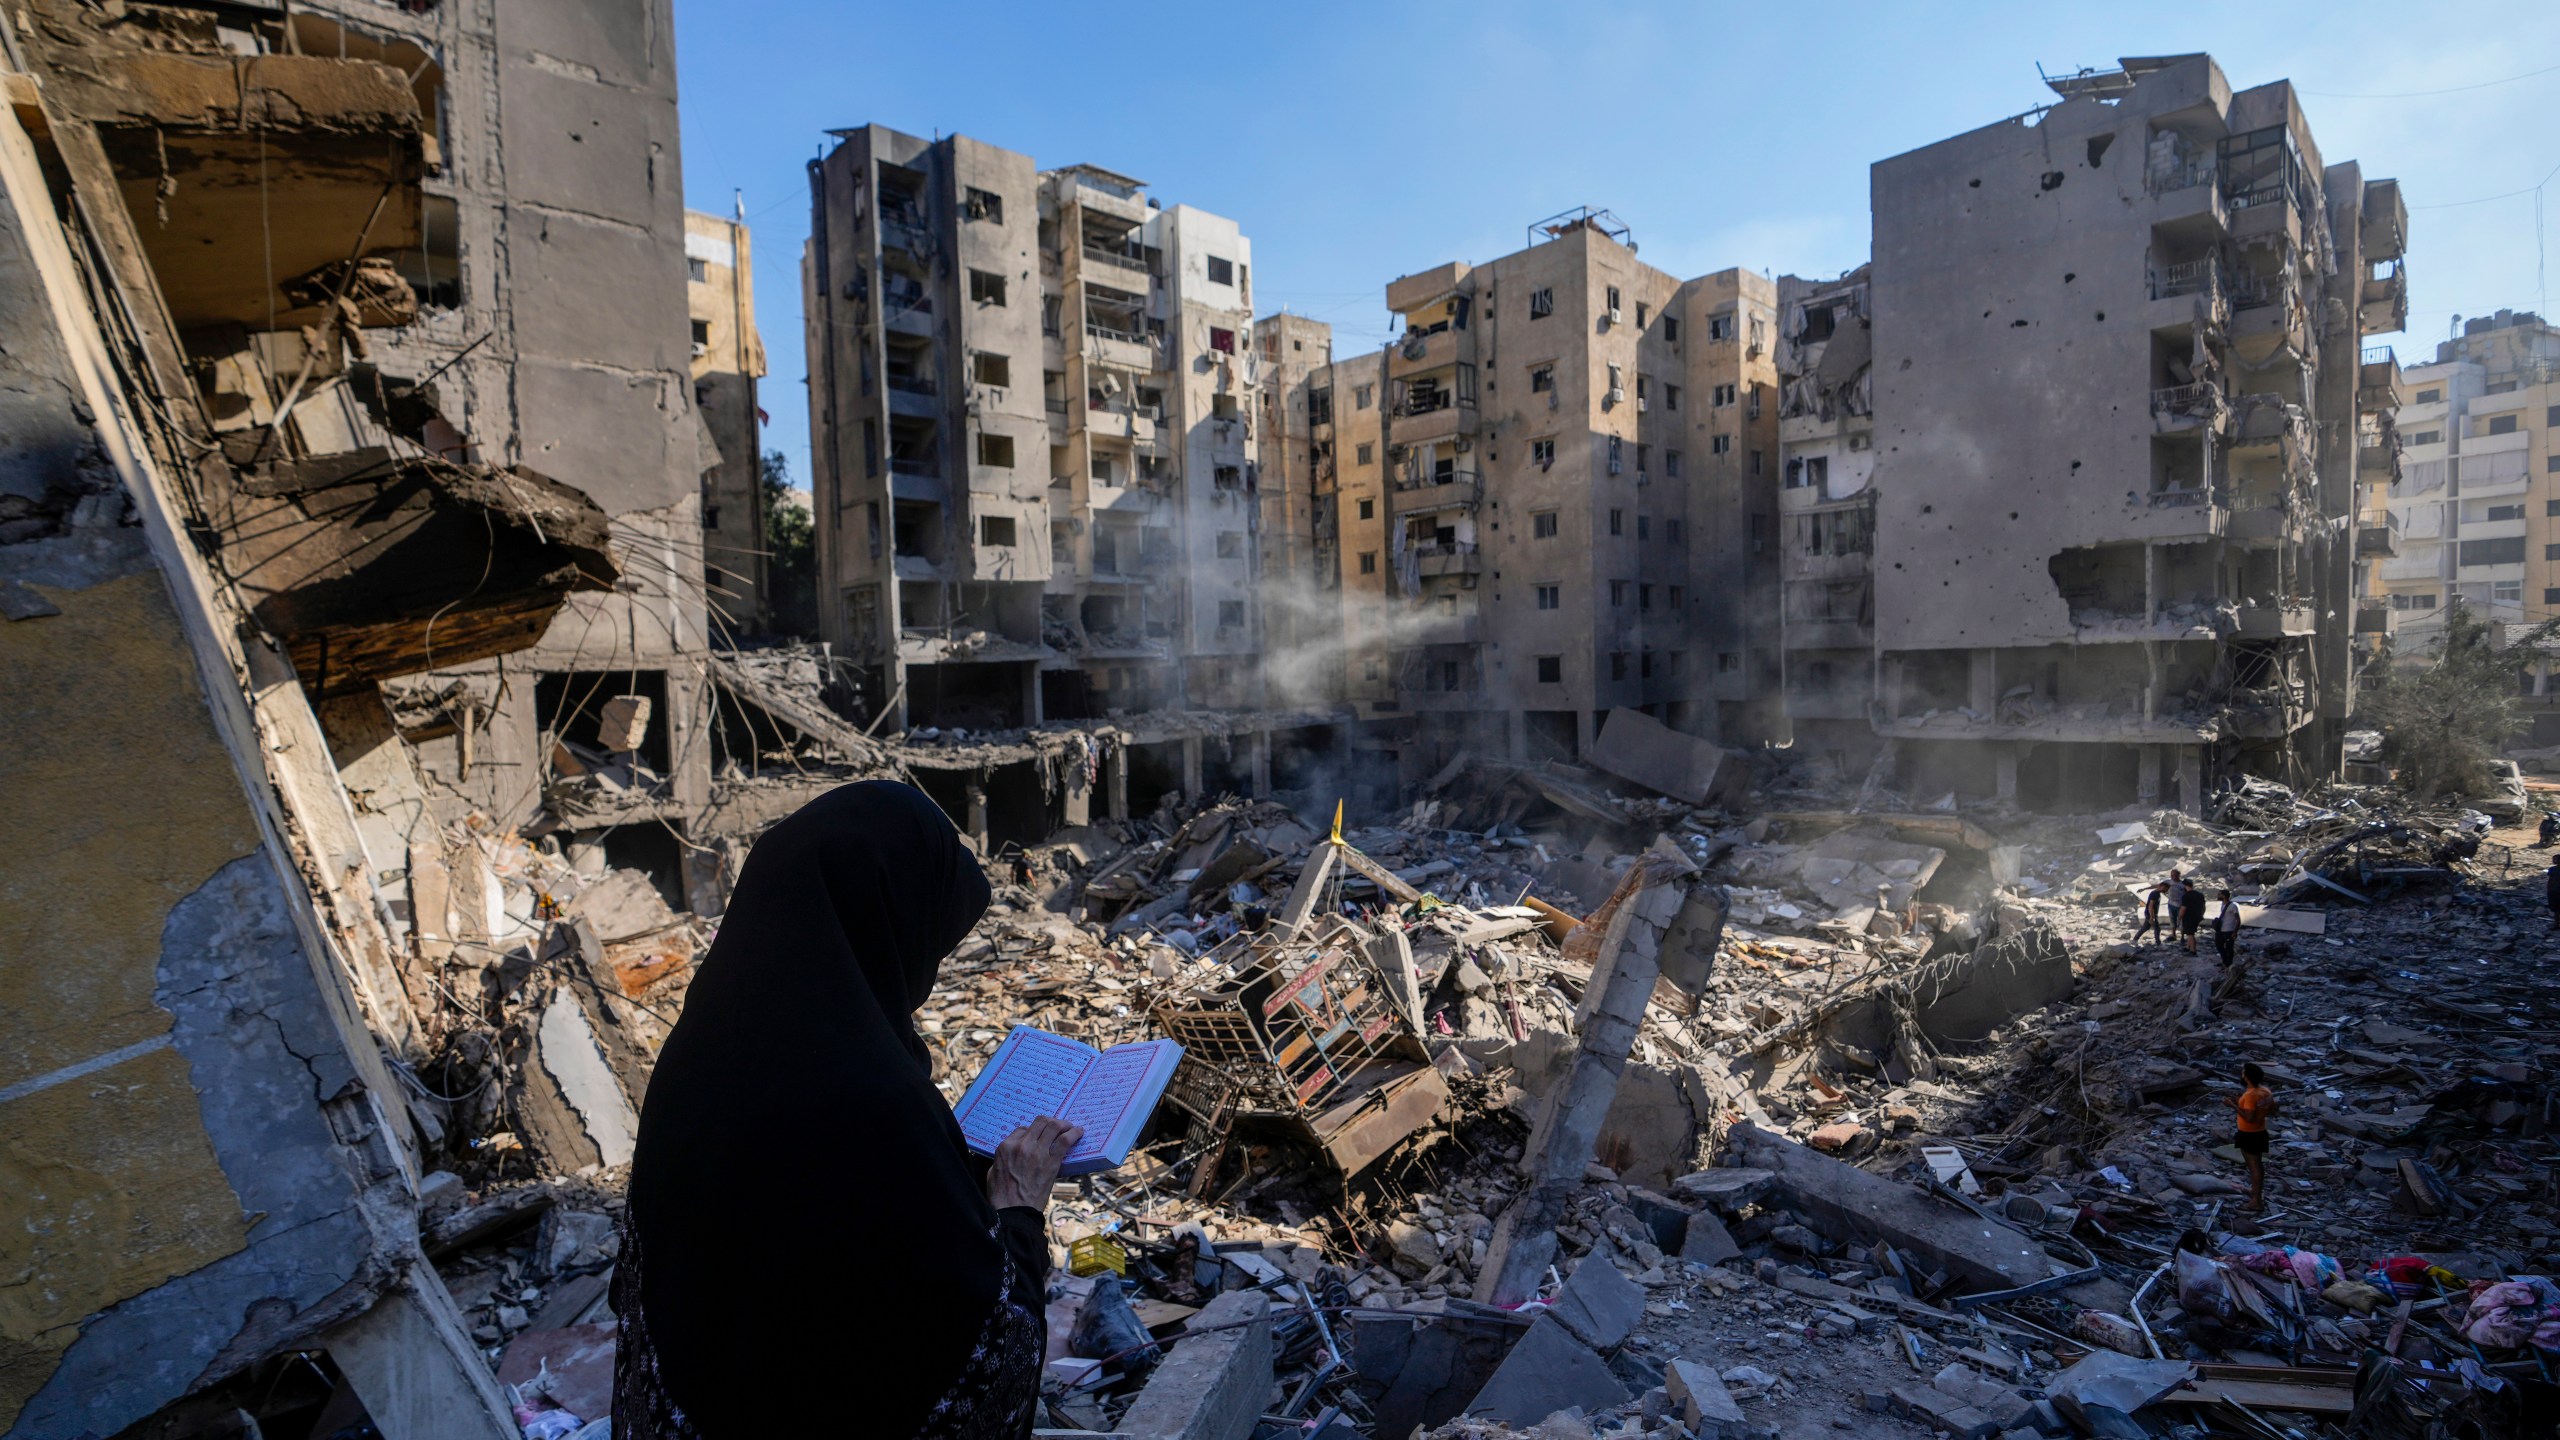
[(791, 556), (2444, 717)]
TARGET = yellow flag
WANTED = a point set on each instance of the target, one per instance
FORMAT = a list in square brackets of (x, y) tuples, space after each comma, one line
[(1337, 822)]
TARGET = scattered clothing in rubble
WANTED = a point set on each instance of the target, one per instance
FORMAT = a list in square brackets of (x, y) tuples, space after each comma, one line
[(797, 1169)]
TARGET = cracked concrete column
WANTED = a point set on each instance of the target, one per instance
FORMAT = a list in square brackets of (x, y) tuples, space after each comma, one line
[(1624, 971), (1261, 764), (978, 810), (1191, 792), (1115, 782)]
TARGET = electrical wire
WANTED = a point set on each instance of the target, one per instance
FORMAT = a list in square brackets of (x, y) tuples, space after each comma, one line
[(2422, 94)]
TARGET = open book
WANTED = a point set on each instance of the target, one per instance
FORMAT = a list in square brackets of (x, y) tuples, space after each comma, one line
[(1110, 1093)]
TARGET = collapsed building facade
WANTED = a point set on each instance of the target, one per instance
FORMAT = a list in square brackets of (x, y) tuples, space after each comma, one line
[(2119, 383), (353, 469), (728, 361), (1550, 498)]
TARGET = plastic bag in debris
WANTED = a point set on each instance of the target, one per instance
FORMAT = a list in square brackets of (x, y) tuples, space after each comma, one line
[(544, 1424), (1109, 1330), (2201, 1288)]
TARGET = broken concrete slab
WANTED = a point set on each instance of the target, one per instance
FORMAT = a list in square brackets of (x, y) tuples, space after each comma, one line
[(1599, 1305), (2118, 1382), (1419, 1370), (1215, 1383), (1707, 1241), (1853, 1207), (1698, 1396), (1726, 1189), (1546, 1372), (1634, 746)]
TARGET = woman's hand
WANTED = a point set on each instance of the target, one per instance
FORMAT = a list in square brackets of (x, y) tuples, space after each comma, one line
[(1026, 1164)]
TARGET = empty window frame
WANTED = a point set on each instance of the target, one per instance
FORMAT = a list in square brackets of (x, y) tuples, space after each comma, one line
[(995, 530), (1542, 524), (1222, 271), (1542, 303), (986, 287)]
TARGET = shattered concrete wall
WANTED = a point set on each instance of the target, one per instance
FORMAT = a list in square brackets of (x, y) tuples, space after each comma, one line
[(202, 1153)]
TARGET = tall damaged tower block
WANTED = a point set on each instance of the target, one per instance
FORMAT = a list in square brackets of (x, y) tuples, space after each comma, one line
[(348, 422), (2119, 376)]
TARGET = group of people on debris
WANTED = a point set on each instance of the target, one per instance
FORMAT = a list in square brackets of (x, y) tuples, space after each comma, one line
[(2180, 901)]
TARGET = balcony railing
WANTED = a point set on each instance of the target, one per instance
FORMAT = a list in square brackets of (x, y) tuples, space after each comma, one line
[(2181, 174), (2200, 401), (2379, 355), (1465, 476), (2191, 277), (914, 384), (1426, 404), (1105, 332), (1097, 255), (899, 299)]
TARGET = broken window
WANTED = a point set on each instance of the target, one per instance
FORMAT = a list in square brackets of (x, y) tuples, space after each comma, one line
[(1230, 544), (1542, 453), (1320, 406), (1719, 327), (1808, 472), (985, 205), (1542, 378), (1542, 525), (1362, 397), (1542, 303), (1222, 341), (986, 287), (1230, 614), (697, 269), (995, 530), (996, 450), (1613, 302), (1671, 329), (1721, 445), (1365, 452), (702, 339), (1670, 397), (1222, 271), (1550, 597), (1643, 313), (1049, 311), (1368, 509), (991, 369), (1723, 396), (1550, 669)]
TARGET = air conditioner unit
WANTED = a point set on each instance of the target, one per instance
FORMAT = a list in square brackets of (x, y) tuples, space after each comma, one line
[(1613, 314), (1617, 396), (1643, 403)]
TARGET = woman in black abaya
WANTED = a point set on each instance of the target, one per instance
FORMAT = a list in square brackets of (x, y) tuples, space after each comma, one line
[(809, 1246)]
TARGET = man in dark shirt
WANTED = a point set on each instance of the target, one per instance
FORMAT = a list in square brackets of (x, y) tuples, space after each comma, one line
[(2191, 916)]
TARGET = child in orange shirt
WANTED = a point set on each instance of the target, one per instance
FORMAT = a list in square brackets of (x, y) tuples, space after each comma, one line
[(2255, 1106)]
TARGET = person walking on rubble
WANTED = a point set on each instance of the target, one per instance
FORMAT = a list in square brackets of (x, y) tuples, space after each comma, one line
[(807, 1236), (2254, 1106), (2190, 915), (2226, 927), (2154, 922)]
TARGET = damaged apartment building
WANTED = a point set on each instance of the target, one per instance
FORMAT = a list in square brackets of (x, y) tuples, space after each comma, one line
[(2118, 390), (349, 495), (1033, 399), (1547, 499)]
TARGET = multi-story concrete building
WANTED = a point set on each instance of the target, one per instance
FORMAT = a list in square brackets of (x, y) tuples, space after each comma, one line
[(998, 552), (2474, 502), (2118, 382), (1549, 498), (1300, 618), (728, 360), (1827, 507)]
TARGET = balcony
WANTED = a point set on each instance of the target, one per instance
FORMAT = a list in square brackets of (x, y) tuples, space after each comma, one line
[(1120, 349), (1455, 557), (1460, 487), (2386, 220), (2378, 535), (1426, 422), (2180, 408), (2262, 523), (1417, 354), (2383, 305), (2276, 621), (1114, 267), (2378, 379), (2374, 616), (2378, 455), (2187, 204), (905, 228), (1432, 626), (916, 480)]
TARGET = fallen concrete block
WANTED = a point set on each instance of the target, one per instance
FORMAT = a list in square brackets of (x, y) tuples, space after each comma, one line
[(1665, 1219), (1599, 1305), (1546, 1372), (1853, 1207), (1634, 746), (1727, 1190), (1698, 1397), (1707, 1241), (1215, 1383), (1422, 1369)]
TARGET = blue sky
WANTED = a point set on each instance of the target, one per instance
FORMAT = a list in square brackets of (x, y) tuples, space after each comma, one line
[(1358, 142)]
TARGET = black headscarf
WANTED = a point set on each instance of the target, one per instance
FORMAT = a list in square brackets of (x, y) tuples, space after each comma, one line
[(814, 1234)]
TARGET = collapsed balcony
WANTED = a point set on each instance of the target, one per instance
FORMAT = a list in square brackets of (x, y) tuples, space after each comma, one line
[(351, 560)]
